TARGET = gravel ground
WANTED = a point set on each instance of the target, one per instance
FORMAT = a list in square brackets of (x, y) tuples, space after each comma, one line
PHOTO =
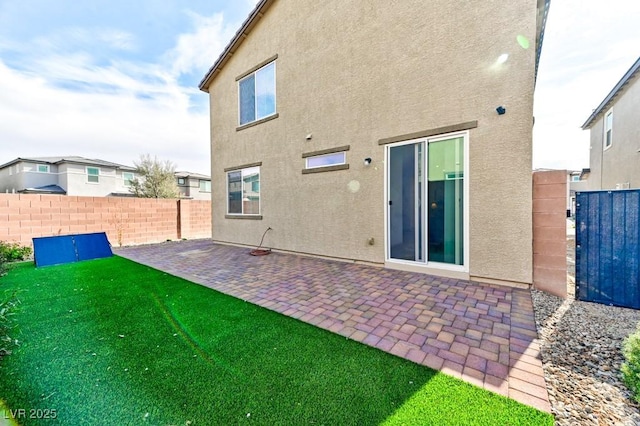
[(581, 355)]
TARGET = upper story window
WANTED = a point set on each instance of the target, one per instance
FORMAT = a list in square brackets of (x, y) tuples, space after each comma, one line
[(243, 191), (205, 186), (181, 181), (93, 174), (257, 94), (127, 177), (608, 129), (43, 168), (575, 178)]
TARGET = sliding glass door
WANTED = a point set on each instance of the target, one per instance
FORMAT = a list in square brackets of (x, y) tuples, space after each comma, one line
[(426, 201), (406, 192)]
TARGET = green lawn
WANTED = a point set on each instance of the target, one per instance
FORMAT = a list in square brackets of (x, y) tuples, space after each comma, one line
[(114, 342)]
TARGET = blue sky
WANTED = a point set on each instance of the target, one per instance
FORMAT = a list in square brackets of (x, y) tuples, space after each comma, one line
[(110, 79), (116, 79)]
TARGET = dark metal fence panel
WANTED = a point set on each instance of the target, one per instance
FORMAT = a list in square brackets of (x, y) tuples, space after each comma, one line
[(608, 247)]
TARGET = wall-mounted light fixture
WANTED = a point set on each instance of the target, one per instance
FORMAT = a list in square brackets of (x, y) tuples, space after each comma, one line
[(501, 110), (367, 161), (309, 136)]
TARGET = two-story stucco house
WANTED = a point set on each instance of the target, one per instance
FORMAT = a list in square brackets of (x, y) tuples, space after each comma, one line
[(614, 126), (70, 175), (194, 185), (391, 133)]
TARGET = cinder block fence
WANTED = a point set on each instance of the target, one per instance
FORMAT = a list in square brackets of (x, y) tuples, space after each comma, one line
[(550, 231), (127, 221)]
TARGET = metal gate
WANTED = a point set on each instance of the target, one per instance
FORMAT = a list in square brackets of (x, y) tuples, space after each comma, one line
[(608, 247)]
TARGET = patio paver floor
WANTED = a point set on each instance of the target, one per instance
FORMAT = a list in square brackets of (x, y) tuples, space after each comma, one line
[(483, 334)]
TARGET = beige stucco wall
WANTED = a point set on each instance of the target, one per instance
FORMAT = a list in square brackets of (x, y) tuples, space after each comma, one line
[(619, 163), (352, 73)]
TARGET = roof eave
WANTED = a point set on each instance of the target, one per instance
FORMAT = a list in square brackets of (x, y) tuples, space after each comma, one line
[(235, 42), (541, 24), (611, 96)]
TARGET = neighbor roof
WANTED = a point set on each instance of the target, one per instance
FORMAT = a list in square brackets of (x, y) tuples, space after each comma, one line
[(47, 189), (69, 159), (193, 175), (263, 5), (604, 105)]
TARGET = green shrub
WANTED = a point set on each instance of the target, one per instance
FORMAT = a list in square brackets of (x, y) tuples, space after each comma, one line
[(631, 367), (12, 252), (7, 310)]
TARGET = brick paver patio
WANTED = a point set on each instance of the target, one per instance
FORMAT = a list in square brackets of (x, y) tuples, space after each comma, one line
[(483, 334)]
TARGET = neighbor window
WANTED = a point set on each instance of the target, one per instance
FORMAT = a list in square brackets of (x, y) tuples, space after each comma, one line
[(180, 181), (243, 191), (257, 94), (205, 186), (93, 174), (575, 178), (326, 160), (608, 125), (127, 177), (43, 168)]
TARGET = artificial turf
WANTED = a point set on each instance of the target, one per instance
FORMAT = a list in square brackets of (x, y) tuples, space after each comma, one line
[(113, 342)]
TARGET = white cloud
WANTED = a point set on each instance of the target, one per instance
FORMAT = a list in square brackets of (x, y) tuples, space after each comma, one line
[(39, 119), (64, 100), (197, 50)]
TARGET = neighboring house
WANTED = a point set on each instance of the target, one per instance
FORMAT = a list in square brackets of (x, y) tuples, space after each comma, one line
[(577, 182), (66, 175), (615, 136), (393, 133), (194, 185)]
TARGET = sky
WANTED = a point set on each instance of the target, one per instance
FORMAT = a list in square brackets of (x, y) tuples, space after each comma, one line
[(115, 79)]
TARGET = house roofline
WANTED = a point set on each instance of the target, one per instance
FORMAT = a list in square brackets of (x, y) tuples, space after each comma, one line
[(614, 92), (64, 160), (183, 174), (236, 41), (541, 25), (262, 6)]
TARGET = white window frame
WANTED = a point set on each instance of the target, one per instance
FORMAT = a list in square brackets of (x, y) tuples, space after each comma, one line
[(339, 163), (242, 190), (255, 106), (46, 166), (445, 269), (127, 182), (608, 130), (90, 175)]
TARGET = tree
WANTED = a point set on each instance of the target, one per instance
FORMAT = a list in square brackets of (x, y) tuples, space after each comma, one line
[(156, 179)]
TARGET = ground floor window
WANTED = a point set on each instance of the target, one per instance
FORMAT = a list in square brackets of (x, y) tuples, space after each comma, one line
[(243, 191)]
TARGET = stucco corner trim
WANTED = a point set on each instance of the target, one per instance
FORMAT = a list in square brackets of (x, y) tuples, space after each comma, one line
[(430, 132), (255, 123), (257, 67), (243, 217), (326, 151), (325, 169), (243, 166)]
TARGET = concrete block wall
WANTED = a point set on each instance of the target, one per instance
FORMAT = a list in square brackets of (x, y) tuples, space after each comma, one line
[(550, 231), (127, 221)]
